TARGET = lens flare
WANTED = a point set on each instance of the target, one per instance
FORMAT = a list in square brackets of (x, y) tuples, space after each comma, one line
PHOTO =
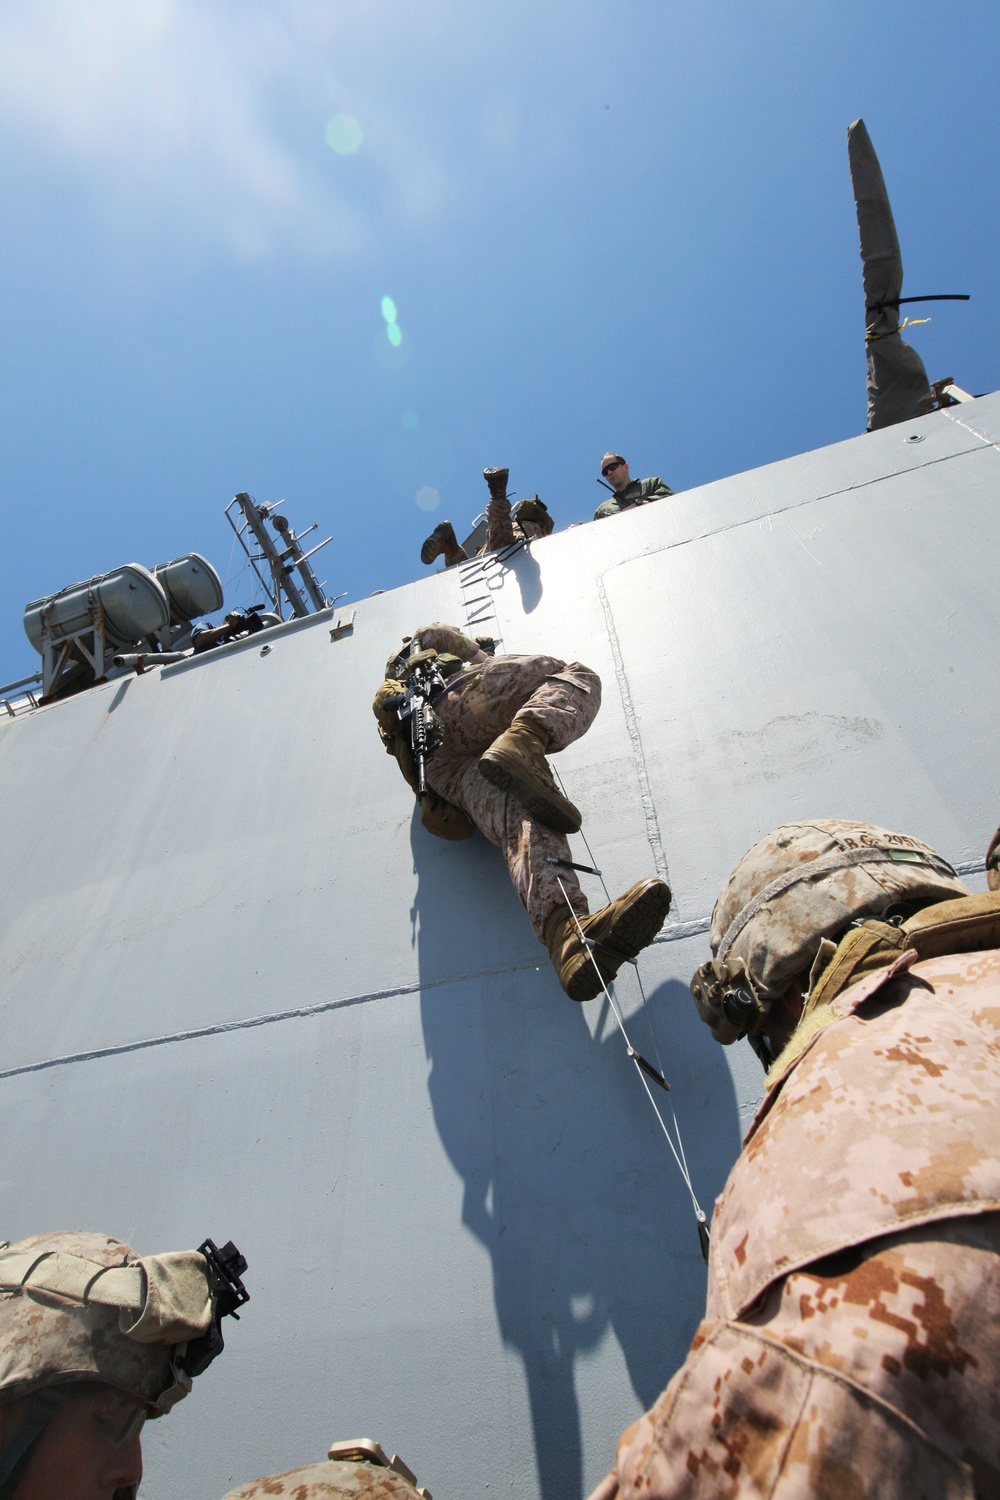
[(428, 497), (394, 334), (388, 310), (410, 421), (344, 135)]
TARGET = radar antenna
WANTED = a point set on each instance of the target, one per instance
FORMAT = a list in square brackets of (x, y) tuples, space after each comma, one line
[(283, 557)]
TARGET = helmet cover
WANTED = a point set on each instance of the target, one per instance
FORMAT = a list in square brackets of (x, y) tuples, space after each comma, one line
[(84, 1307), (809, 881), (330, 1481)]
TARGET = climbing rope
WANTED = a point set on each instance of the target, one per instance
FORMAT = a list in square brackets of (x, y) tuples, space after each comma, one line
[(644, 1068)]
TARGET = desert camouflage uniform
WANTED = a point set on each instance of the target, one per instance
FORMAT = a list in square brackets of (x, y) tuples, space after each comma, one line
[(500, 523), (636, 492), (563, 698), (329, 1481), (851, 1341)]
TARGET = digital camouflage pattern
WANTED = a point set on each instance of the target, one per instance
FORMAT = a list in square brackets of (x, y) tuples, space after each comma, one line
[(528, 521), (851, 1341), (780, 940), (329, 1481), (561, 698), (636, 492), (54, 1328), (887, 1117), (872, 1379)]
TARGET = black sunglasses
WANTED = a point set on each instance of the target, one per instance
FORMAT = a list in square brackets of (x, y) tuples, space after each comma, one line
[(608, 467)]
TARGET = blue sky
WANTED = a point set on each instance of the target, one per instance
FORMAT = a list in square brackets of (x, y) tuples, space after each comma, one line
[(603, 225)]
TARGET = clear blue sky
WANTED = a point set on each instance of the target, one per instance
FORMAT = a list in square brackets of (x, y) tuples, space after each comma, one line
[(621, 225)]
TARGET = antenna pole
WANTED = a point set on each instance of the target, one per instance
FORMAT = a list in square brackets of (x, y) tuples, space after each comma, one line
[(280, 573), (294, 553)]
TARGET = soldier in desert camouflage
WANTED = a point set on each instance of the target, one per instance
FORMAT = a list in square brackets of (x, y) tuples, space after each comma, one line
[(851, 1339), (93, 1340), (500, 718), (528, 520)]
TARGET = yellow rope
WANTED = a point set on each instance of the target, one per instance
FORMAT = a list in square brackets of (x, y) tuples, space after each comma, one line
[(906, 323)]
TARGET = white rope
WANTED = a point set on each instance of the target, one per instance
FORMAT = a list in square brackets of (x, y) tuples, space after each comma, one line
[(679, 1157), (642, 992)]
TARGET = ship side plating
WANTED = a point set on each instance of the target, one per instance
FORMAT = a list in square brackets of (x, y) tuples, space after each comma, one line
[(245, 993)]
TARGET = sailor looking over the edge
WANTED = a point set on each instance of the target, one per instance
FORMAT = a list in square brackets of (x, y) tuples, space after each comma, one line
[(496, 719), (627, 492), (851, 1338)]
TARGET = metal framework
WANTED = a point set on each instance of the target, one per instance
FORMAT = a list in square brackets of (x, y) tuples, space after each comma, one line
[(282, 557), (61, 648)]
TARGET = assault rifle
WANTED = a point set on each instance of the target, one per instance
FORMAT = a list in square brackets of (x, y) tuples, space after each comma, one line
[(415, 705)]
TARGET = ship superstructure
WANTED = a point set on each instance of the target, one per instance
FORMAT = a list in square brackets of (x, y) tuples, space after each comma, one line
[(245, 994)]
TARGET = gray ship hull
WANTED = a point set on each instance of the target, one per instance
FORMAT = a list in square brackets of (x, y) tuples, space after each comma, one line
[(246, 995)]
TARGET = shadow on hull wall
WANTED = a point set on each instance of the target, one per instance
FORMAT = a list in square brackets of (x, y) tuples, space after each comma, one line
[(568, 1182)]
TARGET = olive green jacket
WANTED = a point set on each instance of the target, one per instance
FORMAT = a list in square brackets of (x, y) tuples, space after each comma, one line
[(636, 492)]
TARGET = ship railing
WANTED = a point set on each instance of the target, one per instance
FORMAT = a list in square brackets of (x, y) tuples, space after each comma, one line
[(24, 702)]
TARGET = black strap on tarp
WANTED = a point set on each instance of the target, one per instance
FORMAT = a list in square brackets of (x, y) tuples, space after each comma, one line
[(938, 297)]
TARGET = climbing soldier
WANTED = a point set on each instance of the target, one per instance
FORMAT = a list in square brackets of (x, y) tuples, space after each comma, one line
[(496, 720), (93, 1340), (851, 1341), (528, 520)]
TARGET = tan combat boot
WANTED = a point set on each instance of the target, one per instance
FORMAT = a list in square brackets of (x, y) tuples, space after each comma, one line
[(443, 540), (497, 481), (618, 932), (515, 762)]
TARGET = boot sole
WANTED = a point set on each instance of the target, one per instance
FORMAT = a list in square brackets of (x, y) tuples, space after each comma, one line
[(584, 983), (634, 930), (641, 920), (433, 547), (561, 816)]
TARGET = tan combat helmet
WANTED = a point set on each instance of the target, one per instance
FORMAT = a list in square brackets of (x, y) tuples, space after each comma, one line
[(80, 1308), (803, 883), (355, 1470)]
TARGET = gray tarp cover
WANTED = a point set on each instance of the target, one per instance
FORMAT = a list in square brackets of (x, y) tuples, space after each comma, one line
[(898, 389)]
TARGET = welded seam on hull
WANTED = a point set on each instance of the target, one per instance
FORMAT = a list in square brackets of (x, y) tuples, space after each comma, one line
[(632, 725), (974, 430), (672, 934), (793, 505), (676, 932), (268, 1019)]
